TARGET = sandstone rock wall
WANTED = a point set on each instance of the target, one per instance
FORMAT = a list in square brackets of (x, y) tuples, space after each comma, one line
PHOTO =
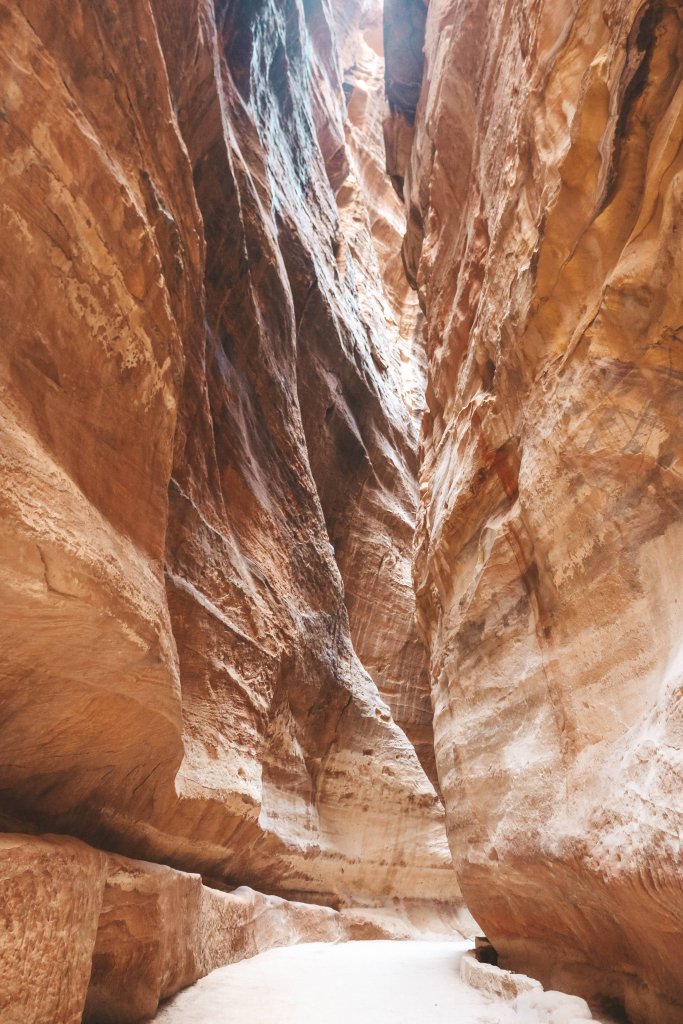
[(544, 192), (86, 935), (371, 519), (208, 384)]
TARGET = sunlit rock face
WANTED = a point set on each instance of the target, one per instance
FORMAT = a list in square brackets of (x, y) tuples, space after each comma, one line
[(544, 190), (207, 410)]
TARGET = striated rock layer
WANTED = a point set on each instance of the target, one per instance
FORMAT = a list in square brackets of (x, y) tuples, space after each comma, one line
[(207, 410), (544, 194), (86, 935)]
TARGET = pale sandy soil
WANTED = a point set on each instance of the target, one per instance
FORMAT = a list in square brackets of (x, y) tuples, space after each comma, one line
[(348, 983)]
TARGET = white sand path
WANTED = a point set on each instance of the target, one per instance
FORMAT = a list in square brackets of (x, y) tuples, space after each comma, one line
[(346, 983)]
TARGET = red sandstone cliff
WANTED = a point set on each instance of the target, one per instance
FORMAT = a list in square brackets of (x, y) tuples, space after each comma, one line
[(208, 458), (543, 191)]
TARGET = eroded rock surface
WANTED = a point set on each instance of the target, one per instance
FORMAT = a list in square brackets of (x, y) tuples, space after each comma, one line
[(544, 194), (194, 385), (207, 435), (371, 520), (51, 890)]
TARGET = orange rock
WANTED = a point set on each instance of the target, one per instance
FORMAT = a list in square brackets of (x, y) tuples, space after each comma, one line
[(51, 890), (190, 280)]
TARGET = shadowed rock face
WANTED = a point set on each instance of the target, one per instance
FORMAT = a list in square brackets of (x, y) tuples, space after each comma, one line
[(203, 391), (544, 192), (404, 31)]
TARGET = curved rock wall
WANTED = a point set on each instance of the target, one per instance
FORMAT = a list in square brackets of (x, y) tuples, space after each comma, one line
[(371, 519), (202, 386), (544, 193)]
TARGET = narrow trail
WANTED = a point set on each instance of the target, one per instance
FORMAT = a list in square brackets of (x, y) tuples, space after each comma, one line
[(348, 983)]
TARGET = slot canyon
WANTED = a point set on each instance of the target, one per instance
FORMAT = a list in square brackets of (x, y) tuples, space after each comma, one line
[(341, 495)]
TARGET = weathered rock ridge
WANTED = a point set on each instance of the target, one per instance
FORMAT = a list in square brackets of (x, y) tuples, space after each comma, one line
[(208, 416), (373, 533), (543, 178)]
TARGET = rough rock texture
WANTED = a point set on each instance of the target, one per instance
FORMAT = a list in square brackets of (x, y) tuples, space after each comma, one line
[(544, 194), (494, 980), (198, 392), (51, 891), (160, 930), (86, 935)]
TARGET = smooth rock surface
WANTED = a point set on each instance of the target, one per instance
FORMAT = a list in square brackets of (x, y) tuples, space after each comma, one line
[(493, 980), (544, 195), (202, 392)]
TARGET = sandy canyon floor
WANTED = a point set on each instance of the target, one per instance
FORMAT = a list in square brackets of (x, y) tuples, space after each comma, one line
[(359, 982)]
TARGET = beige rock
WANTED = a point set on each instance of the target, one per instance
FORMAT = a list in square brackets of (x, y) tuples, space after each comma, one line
[(544, 192), (146, 946), (494, 981), (160, 930)]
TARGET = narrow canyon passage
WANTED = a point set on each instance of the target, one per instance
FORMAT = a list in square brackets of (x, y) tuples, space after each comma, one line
[(355, 983), (341, 507), (374, 982)]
